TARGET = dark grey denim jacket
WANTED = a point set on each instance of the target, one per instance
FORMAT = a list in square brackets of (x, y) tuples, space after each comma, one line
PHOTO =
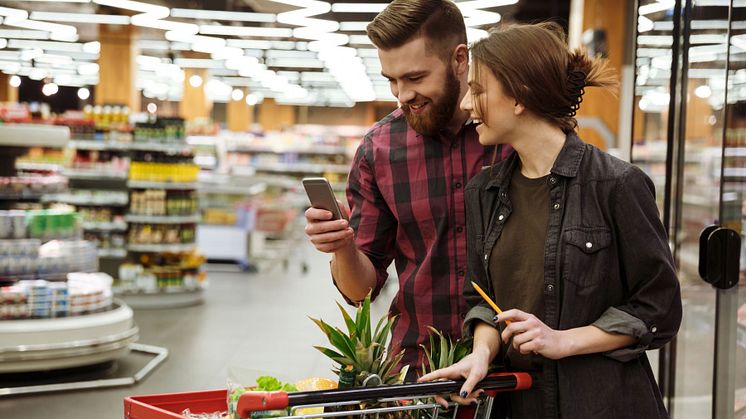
[(606, 263)]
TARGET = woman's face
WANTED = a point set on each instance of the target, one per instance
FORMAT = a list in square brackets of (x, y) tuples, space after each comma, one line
[(487, 103)]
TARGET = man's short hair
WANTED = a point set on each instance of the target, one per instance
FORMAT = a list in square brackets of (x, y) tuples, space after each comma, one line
[(439, 21)]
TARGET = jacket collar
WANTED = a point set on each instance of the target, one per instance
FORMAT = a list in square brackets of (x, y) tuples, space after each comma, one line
[(567, 163)]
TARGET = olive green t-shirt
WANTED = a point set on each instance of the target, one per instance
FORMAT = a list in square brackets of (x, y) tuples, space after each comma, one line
[(517, 260)]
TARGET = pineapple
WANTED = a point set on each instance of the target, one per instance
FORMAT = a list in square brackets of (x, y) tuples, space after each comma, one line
[(363, 348), (444, 352)]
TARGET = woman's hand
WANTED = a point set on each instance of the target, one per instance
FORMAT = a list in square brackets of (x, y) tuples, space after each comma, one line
[(531, 335), (472, 367)]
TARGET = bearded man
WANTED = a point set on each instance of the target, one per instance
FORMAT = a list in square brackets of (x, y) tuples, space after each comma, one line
[(406, 185)]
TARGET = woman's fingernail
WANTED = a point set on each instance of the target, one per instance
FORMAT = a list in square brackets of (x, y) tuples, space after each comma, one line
[(464, 393), (496, 318)]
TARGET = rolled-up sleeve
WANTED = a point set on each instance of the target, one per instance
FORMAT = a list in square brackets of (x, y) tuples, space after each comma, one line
[(370, 217), (652, 311)]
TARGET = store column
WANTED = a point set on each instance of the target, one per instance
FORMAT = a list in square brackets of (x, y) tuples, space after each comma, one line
[(117, 80), (274, 117), (240, 114), (8, 93), (195, 104)]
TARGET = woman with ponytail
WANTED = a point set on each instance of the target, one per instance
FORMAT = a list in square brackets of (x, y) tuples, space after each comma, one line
[(564, 237)]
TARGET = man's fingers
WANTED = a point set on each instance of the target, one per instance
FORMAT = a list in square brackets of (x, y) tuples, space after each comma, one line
[(330, 237), (318, 214)]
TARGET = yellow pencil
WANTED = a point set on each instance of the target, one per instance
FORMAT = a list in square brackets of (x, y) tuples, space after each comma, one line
[(488, 299)]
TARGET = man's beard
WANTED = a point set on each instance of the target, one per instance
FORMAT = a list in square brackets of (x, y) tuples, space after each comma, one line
[(440, 113)]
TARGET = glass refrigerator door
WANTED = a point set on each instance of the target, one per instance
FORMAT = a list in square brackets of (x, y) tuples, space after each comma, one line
[(690, 137)]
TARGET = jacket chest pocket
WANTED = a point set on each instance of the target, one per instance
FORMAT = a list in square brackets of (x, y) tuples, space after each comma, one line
[(586, 256)]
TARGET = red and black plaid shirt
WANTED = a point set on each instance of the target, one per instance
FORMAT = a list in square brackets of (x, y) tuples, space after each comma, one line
[(406, 193)]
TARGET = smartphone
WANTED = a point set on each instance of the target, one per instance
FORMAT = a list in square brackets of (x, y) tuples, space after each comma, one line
[(320, 194)]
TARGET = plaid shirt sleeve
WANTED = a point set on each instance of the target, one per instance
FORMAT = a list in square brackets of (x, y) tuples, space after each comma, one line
[(373, 222)]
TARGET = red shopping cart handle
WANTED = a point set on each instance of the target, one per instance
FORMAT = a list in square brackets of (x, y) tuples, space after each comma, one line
[(255, 401)]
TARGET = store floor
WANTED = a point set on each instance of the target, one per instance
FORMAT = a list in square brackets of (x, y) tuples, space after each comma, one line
[(250, 324), (255, 324)]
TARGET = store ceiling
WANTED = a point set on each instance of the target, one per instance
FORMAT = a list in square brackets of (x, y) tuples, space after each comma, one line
[(296, 51)]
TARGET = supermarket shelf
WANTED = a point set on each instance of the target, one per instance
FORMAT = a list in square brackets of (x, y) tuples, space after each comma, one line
[(30, 135), (112, 253), (85, 201), (162, 248), (318, 149), (165, 147), (302, 168), (39, 167), (41, 344), (164, 298), (20, 196), (162, 219), (142, 184), (93, 174), (104, 226)]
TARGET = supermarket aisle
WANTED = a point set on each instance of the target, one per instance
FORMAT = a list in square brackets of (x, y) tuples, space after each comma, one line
[(250, 323)]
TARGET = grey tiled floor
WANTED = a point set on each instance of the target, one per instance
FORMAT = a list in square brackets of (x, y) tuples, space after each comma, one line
[(250, 324)]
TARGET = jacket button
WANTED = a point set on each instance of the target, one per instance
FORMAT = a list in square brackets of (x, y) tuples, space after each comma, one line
[(653, 329), (550, 288), (588, 245), (552, 180), (556, 205), (459, 229), (460, 273), (501, 217)]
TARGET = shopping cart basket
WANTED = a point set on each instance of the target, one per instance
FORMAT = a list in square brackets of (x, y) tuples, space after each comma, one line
[(416, 399)]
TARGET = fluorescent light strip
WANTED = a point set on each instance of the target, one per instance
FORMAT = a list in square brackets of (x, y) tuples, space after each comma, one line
[(358, 7), (294, 62), (353, 26), (274, 53), (136, 6), (245, 31), (224, 15), (21, 34), (198, 63), (46, 45), (81, 18), (148, 21), (656, 7), (360, 40), (153, 44)]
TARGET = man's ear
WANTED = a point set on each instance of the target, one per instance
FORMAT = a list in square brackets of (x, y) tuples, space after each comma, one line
[(461, 60)]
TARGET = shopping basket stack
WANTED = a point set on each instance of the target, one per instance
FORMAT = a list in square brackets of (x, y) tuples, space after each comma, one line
[(415, 399)]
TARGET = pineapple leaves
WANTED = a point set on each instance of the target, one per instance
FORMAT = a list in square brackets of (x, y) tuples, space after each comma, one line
[(337, 339), (443, 351), (351, 327)]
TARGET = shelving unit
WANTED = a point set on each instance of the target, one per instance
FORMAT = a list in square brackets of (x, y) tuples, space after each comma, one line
[(57, 342)]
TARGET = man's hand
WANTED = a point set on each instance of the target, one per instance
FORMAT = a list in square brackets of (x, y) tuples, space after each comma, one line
[(531, 335), (328, 235)]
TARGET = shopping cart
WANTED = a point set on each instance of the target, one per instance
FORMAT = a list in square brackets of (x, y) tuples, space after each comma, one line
[(360, 403)]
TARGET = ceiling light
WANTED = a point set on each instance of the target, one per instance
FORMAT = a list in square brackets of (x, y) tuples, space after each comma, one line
[(237, 94), (644, 24), (353, 26), (245, 31), (152, 107), (22, 34), (86, 69), (252, 99), (3, 43), (84, 93), (195, 80), (92, 47), (136, 6), (703, 91), (359, 40), (81, 18), (358, 7), (30, 54), (49, 89), (14, 81), (223, 15), (658, 6)]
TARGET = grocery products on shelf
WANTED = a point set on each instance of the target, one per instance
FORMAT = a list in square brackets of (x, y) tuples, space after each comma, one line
[(29, 259), (30, 186), (163, 203), (160, 234), (164, 272), (81, 293), (161, 130), (39, 224)]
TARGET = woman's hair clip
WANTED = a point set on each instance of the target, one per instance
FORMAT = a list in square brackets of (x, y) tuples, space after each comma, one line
[(575, 89)]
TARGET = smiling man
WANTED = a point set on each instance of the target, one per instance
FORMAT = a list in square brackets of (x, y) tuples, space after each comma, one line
[(406, 185)]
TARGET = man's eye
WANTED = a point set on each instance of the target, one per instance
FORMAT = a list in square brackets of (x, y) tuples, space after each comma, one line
[(415, 78)]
